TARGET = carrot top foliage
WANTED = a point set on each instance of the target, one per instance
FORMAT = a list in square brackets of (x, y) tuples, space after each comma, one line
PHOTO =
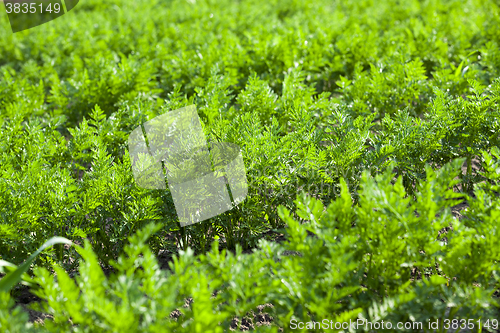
[(361, 124)]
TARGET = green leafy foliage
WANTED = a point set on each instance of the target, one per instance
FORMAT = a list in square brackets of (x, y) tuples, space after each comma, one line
[(322, 99), (339, 262), (12, 319), (16, 275), (384, 113)]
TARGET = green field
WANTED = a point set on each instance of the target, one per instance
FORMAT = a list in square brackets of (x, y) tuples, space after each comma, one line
[(369, 133)]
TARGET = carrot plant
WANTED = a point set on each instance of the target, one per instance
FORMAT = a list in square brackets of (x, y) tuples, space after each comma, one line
[(384, 114), (338, 262)]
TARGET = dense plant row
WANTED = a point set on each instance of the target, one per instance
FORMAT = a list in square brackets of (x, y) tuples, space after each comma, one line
[(294, 104), (350, 262), (334, 99)]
